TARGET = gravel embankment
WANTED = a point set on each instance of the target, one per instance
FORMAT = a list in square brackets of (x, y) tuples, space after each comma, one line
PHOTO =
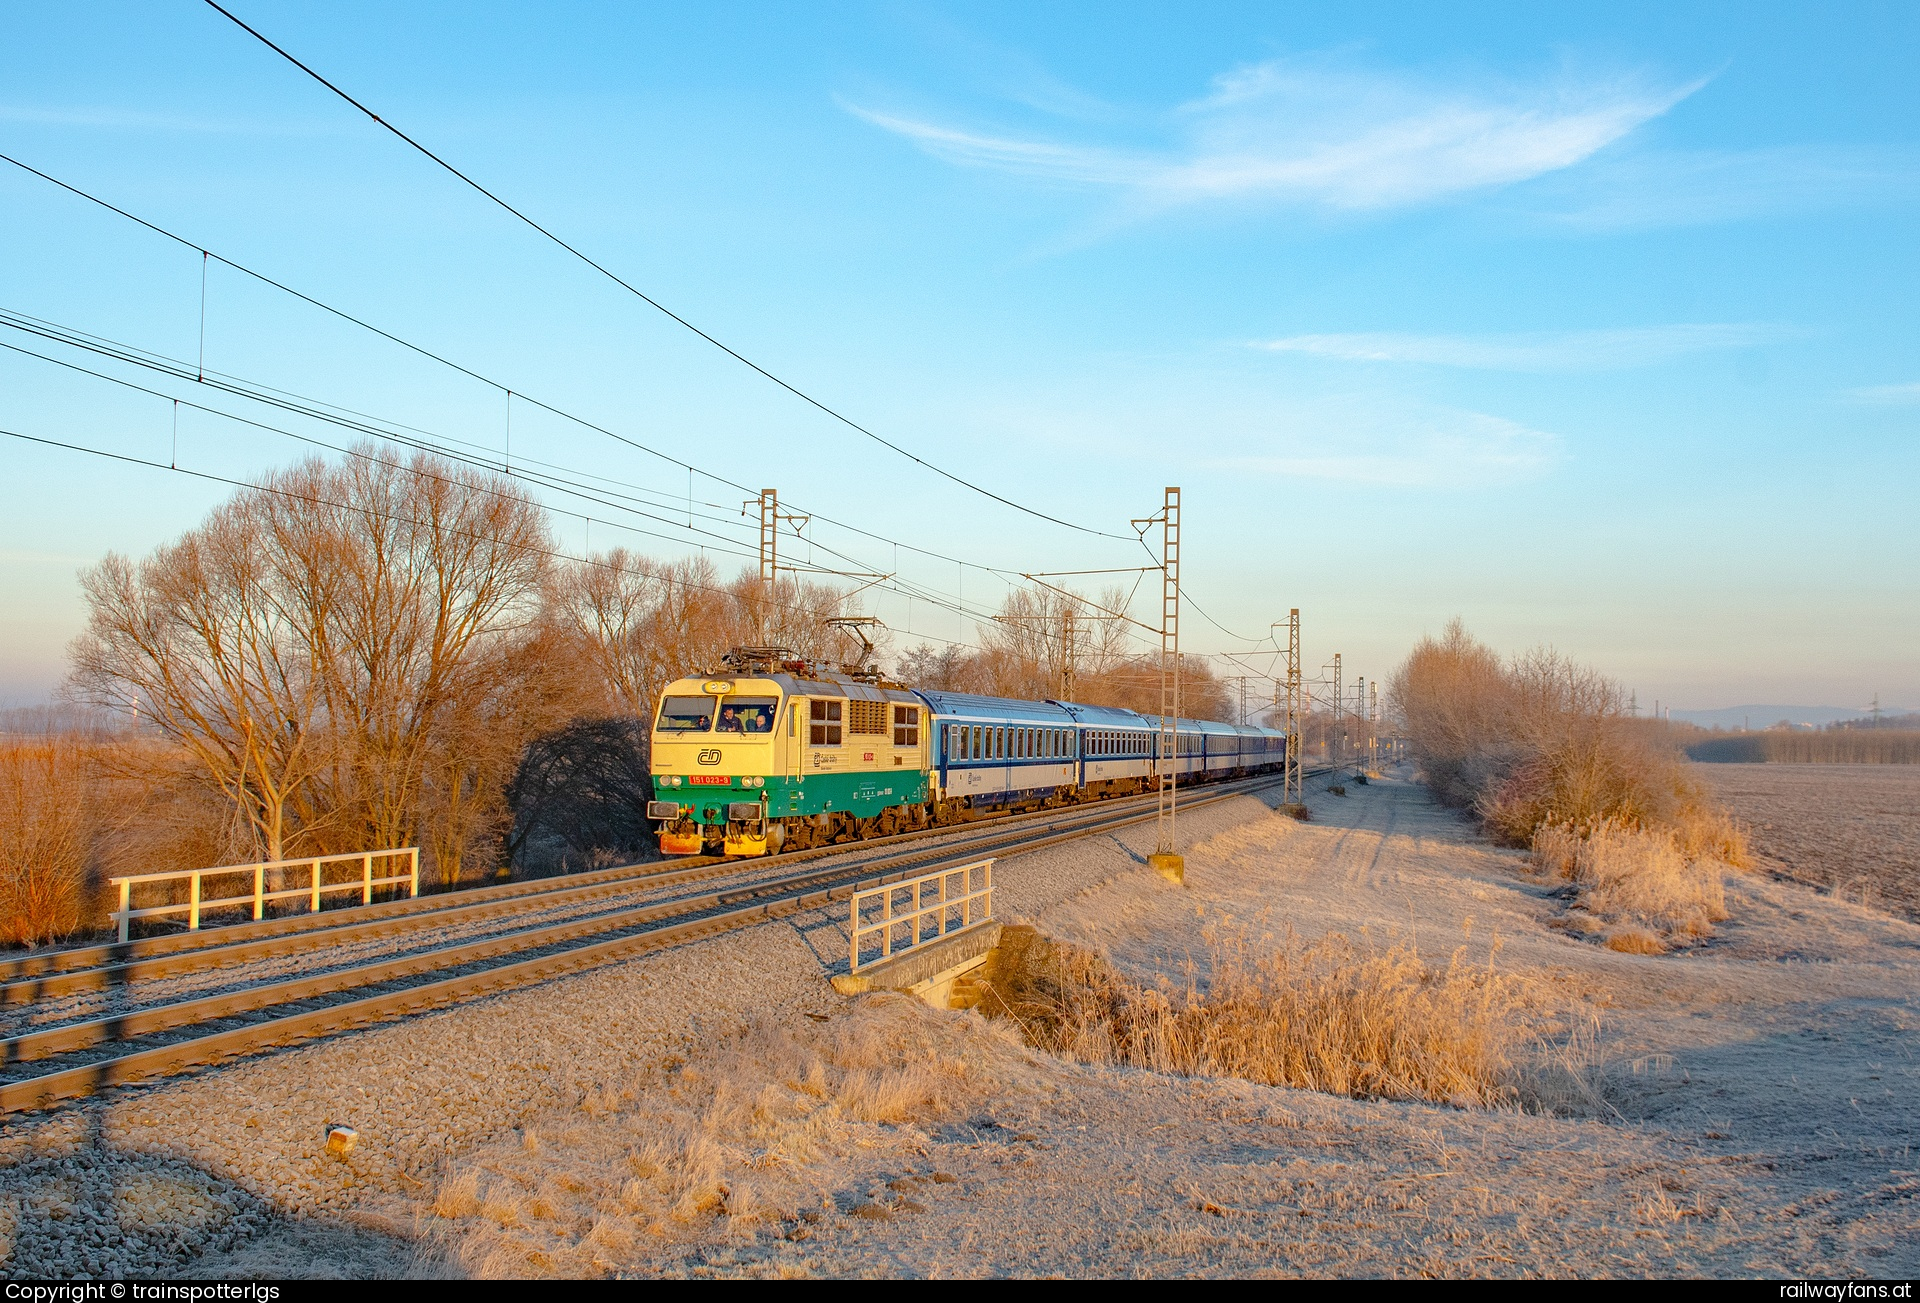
[(82, 1006), (245, 1140)]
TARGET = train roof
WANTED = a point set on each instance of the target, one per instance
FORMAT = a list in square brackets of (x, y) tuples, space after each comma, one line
[(1105, 716), (968, 705), (825, 685), (1214, 726)]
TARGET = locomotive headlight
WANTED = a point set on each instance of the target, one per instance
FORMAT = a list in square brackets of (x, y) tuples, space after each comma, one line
[(674, 780)]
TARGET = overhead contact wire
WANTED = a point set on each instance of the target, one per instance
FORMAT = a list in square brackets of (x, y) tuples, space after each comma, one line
[(471, 374), (651, 302)]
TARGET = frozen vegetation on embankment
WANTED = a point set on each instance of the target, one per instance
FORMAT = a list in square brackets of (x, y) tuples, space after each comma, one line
[(1746, 1105)]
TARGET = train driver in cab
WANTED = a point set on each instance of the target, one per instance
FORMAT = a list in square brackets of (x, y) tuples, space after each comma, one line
[(746, 717)]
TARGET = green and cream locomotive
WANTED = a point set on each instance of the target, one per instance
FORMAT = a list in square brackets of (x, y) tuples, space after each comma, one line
[(754, 762)]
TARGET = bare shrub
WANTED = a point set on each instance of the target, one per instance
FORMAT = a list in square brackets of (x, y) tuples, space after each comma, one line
[(1543, 750), (1335, 1015), (1533, 741), (584, 786)]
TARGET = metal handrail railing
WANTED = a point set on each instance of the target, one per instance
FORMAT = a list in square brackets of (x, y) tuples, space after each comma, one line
[(972, 905), (196, 904)]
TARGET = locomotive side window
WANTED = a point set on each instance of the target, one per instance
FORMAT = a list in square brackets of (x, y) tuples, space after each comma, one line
[(906, 726), (825, 723)]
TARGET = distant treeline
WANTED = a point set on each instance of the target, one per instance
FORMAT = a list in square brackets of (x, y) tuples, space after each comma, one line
[(1829, 747)]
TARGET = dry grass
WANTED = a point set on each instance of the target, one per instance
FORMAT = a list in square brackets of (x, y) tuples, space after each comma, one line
[(45, 840), (1334, 1015), (758, 1131), (76, 807), (1643, 889)]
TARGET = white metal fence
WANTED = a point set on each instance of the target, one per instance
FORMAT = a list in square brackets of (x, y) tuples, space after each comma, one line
[(905, 914), (311, 891)]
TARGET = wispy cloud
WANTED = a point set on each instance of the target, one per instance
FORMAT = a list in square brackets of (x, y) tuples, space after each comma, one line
[(1570, 350), (1310, 133), (1662, 188), (1363, 442), (1887, 395)]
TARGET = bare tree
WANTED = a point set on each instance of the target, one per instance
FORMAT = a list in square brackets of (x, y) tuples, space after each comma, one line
[(643, 623), (324, 645), (214, 643)]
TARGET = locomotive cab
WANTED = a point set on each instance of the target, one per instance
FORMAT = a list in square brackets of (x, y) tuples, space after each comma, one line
[(746, 764), (715, 743)]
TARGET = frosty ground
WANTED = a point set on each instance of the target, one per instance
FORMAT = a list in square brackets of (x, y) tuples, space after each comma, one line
[(1744, 1107), (1852, 829)]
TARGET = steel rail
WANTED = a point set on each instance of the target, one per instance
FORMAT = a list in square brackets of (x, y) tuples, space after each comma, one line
[(15, 1049), (67, 1037), (103, 967), (44, 1089)]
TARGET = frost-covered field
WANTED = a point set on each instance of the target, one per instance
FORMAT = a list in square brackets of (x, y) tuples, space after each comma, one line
[(1747, 1107), (1851, 829)]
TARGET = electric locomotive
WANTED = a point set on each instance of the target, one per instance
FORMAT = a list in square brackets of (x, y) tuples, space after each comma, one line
[(775, 753)]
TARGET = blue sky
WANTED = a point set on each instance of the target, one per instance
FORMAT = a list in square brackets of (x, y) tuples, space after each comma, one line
[(1595, 326)]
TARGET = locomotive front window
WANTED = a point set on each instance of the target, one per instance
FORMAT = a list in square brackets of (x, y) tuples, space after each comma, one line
[(748, 714), (686, 715)]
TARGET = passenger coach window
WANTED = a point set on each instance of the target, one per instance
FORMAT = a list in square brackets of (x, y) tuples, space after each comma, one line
[(826, 723), (974, 752), (906, 726)]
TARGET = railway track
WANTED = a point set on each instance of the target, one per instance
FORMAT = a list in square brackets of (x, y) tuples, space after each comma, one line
[(65, 1060)]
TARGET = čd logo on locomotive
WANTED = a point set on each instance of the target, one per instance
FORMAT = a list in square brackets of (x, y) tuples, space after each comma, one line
[(711, 756)]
